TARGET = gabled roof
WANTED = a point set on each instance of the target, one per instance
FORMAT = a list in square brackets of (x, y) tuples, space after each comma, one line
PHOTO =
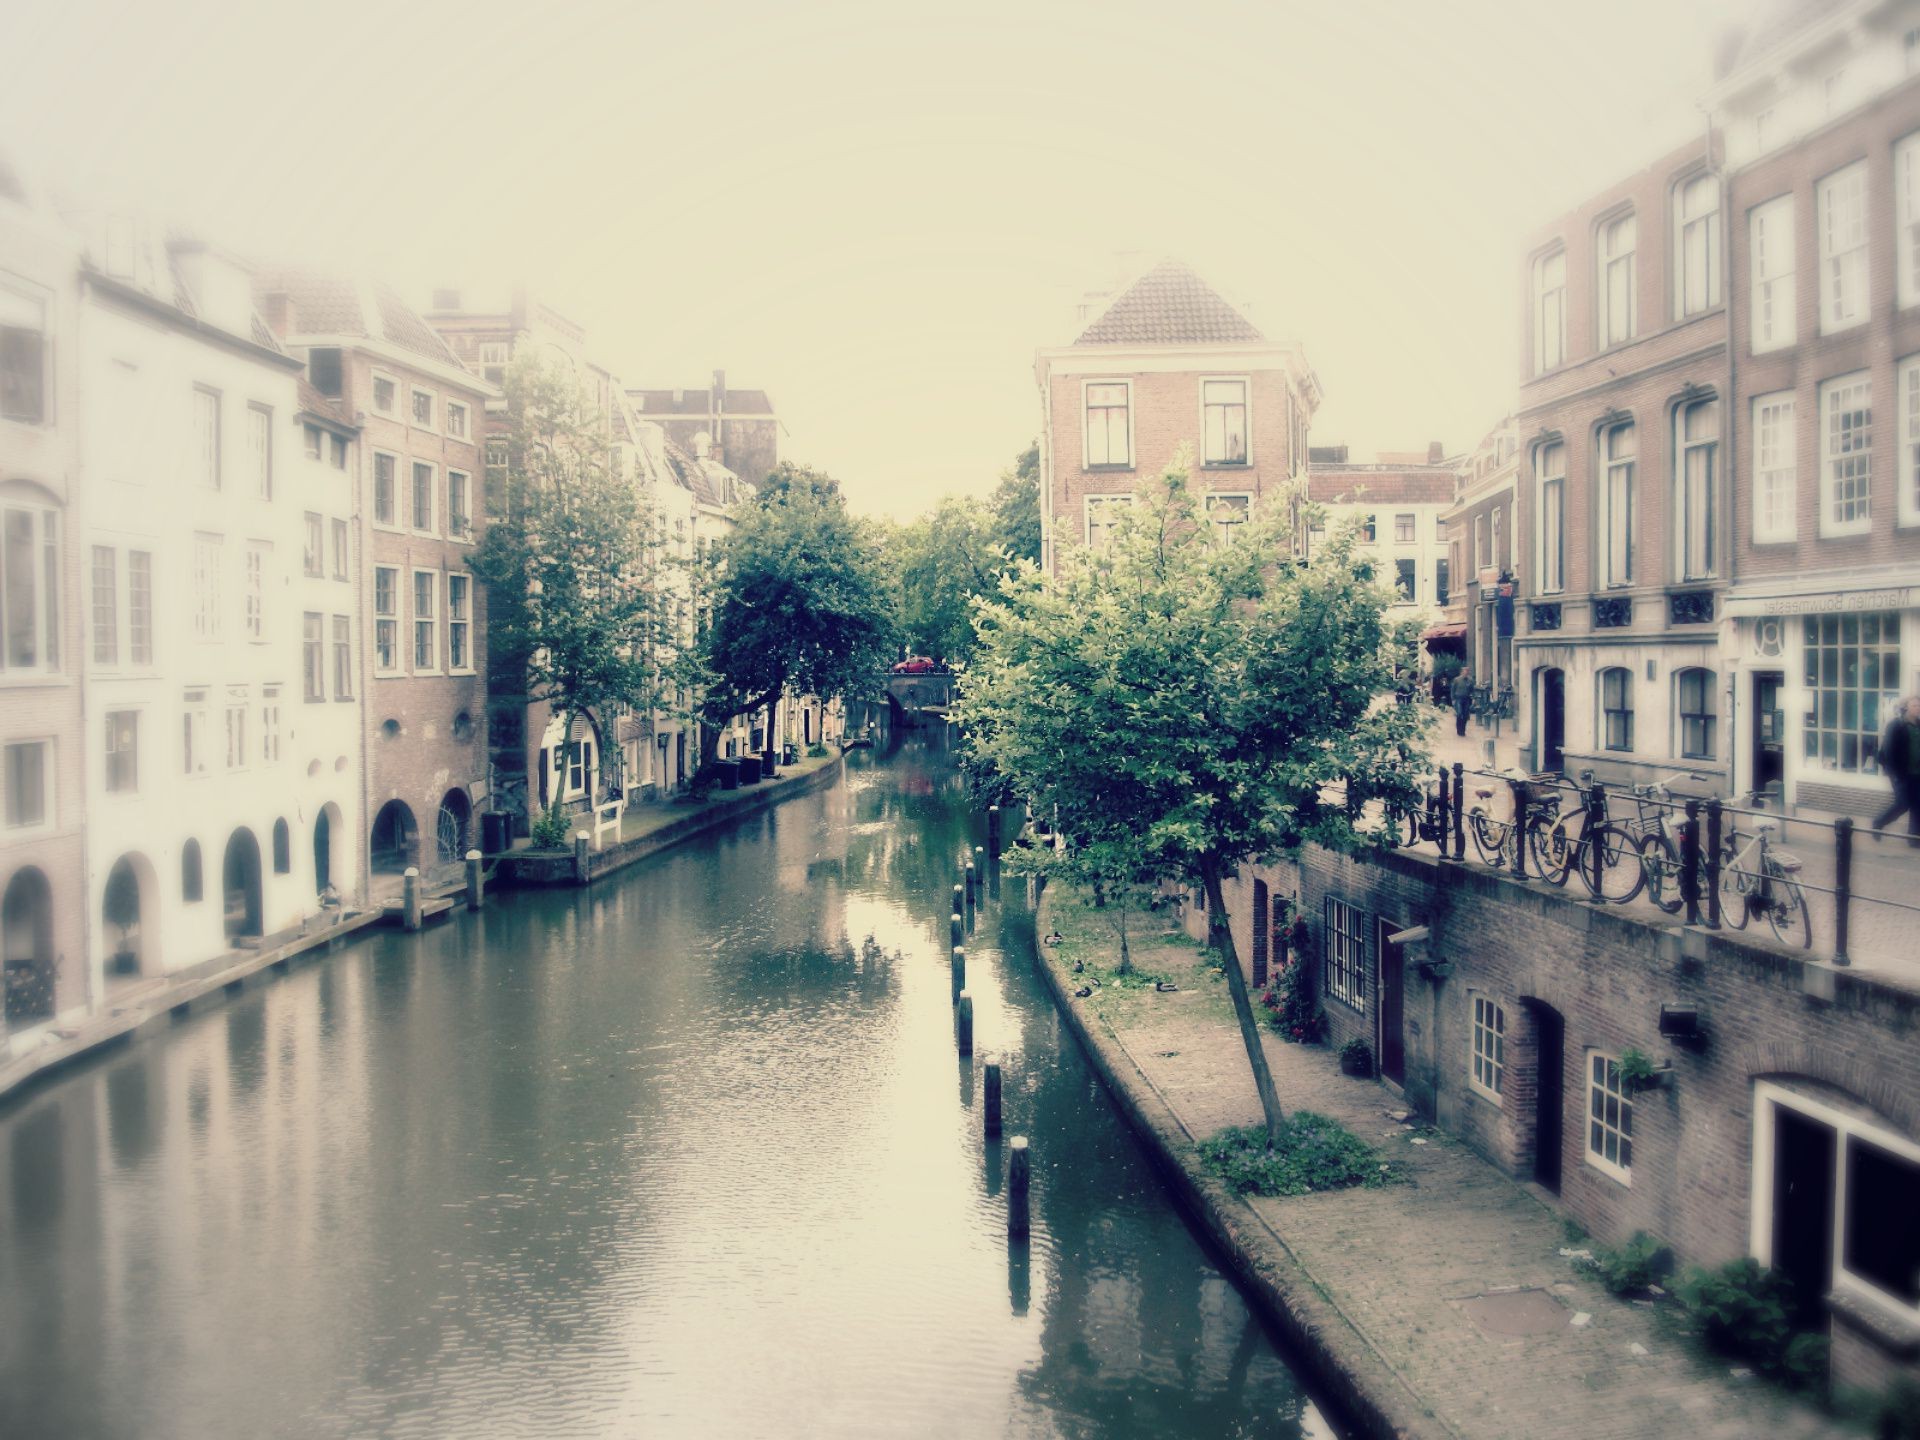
[(1170, 305), (699, 401), (1381, 484), (329, 304)]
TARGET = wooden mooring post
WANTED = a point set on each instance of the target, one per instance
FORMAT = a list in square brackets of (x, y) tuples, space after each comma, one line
[(410, 898), (476, 881), (963, 1023), (581, 860), (959, 973), (991, 1105), (1019, 1184)]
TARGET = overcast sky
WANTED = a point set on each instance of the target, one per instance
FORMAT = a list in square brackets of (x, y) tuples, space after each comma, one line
[(878, 210)]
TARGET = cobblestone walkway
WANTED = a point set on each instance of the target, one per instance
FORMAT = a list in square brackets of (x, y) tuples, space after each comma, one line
[(1401, 1263)]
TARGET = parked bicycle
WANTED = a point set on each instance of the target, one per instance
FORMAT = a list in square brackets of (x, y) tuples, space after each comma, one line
[(1491, 705), (1756, 878), (1659, 832), (1494, 838), (1604, 855)]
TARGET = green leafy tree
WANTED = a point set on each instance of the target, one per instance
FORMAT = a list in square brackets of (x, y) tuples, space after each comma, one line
[(570, 558), (799, 599), (1015, 504), (1192, 699)]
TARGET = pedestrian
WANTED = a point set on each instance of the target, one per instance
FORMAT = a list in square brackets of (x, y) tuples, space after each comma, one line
[(1462, 700), (1900, 763)]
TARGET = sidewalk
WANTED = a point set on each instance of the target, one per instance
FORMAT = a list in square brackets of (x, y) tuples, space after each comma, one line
[(1398, 1275)]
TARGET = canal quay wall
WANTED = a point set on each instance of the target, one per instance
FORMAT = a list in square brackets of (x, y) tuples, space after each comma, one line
[(136, 1013), (1446, 1306)]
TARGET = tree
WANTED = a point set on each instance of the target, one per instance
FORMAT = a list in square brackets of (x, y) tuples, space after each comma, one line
[(799, 598), (569, 560), (1189, 698), (1015, 504)]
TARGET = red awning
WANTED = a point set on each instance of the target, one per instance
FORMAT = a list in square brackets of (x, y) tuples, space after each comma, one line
[(1444, 632)]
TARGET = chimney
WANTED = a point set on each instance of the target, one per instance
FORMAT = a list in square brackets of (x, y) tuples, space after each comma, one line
[(1436, 452), (276, 308), (719, 391), (719, 412)]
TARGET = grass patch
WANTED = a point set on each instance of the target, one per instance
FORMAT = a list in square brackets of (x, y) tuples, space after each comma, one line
[(1314, 1154)]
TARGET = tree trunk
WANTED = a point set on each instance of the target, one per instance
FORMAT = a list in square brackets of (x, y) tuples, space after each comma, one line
[(1126, 955), (773, 747), (1220, 936)]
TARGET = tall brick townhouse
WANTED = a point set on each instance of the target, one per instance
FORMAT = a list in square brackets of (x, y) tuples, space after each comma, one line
[(1821, 118), (419, 414), (1166, 362)]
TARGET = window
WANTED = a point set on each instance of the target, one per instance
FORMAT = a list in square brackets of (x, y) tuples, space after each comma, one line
[(423, 409), (1846, 460), (193, 731), (1441, 569), (1480, 552), (313, 556), (1109, 424), (1906, 220), (1616, 709), (1616, 505), (190, 881), (1694, 700), (1369, 528), (386, 619), (236, 737), (337, 451), (426, 639), (1406, 581), (422, 496), (386, 395), (139, 607), (123, 752), (314, 440), (260, 450), (323, 369), (1223, 406), (342, 658), (206, 436), (1103, 513), (386, 500), (1841, 199), (456, 420), (1696, 246), (496, 496), (1853, 682), (206, 587), (29, 783), (493, 362), (458, 620), (1771, 247), (1549, 311), (1617, 239), (459, 519), (23, 357), (1228, 513), (1550, 473), (341, 559), (1499, 518), (579, 765), (1403, 533), (282, 848), (106, 606), (1489, 1057), (1908, 469), (1346, 954), (313, 671), (269, 724), (1609, 1118), (1697, 438), (1440, 528), (1774, 484), (257, 591)]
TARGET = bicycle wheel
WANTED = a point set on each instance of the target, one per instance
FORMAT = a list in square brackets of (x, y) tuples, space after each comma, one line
[(1661, 864), (1551, 849), (1621, 875), (1787, 911), (1489, 838), (1735, 886)]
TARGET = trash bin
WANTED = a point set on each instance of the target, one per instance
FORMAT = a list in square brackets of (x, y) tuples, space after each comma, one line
[(749, 769), (729, 773), (496, 831)]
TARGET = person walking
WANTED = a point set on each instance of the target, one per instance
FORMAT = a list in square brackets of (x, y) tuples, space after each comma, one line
[(1900, 763), (1462, 700)]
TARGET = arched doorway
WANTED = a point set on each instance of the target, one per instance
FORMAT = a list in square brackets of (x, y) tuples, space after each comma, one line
[(1553, 718), (240, 885), (323, 849), (450, 830), (26, 947), (391, 848), (282, 848), (131, 943)]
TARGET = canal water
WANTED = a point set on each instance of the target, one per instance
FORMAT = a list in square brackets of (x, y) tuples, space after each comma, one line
[(679, 1154)]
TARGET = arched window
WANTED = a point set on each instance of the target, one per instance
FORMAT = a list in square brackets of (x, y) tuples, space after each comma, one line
[(1615, 280), (26, 946), (1696, 445), (1616, 709), (1696, 246), (282, 849), (1550, 473), (190, 887), (1693, 692), (1615, 504)]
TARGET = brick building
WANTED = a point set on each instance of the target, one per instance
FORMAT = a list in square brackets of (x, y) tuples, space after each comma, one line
[(1165, 363), (1821, 118), (420, 415), (734, 428), (1400, 503), (1483, 554)]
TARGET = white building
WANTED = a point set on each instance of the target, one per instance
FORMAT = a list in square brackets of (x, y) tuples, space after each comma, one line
[(1401, 503)]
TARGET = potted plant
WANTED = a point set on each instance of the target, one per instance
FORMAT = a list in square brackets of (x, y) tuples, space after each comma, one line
[(1356, 1058), (1638, 1073)]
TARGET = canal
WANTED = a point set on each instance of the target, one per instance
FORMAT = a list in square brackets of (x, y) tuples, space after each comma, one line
[(679, 1154)]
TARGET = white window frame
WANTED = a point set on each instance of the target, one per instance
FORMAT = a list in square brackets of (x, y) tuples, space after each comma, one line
[(1549, 311), (1603, 712), (373, 492), (1696, 242), (1769, 1096), (259, 553), (1409, 594), (1345, 944), (1831, 394), (107, 752), (16, 303), (1552, 542), (1615, 268), (1224, 529), (465, 624), (449, 408), (140, 615), (1486, 1046), (1087, 462), (1088, 505), (415, 619), (465, 477), (206, 435), (313, 553), (390, 617), (1771, 251), (1708, 718), (269, 724), (1907, 469), (209, 598), (1615, 572), (1619, 1129), (1774, 493), (1696, 556), (103, 619), (313, 657), (1906, 221), (49, 789), (1246, 420), (413, 494), (260, 448), (1842, 235), (374, 380), (194, 722), (236, 732), (414, 392), (342, 548), (340, 652), (1411, 526)]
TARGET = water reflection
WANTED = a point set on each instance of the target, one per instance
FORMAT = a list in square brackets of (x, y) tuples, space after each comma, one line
[(681, 1154)]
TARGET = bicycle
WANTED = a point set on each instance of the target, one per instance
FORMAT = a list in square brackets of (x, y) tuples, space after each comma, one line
[(1604, 855), (1758, 880), (1660, 838), (1493, 838)]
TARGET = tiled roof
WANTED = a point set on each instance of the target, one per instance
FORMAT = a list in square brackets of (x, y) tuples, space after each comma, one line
[(1169, 305), (1374, 485), (700, 402), (327, 304), (312, 402)]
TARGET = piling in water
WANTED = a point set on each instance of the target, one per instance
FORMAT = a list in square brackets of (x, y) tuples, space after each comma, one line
[(959, 973), (410, 899), (580, 844), (993, 831), (956, 929), (959, 900), (963, 1023), (1019, 1180), (476, 882), (992, 1106)]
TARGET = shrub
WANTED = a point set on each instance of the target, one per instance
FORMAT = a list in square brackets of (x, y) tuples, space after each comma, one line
[(816, 750), (1292, 1007), (1630, 1268), (1313, 1154), (1356, 1057), (549, 831), (1746, 1311)]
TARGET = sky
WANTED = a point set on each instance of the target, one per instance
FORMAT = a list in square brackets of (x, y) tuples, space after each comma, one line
[(878, 211)]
